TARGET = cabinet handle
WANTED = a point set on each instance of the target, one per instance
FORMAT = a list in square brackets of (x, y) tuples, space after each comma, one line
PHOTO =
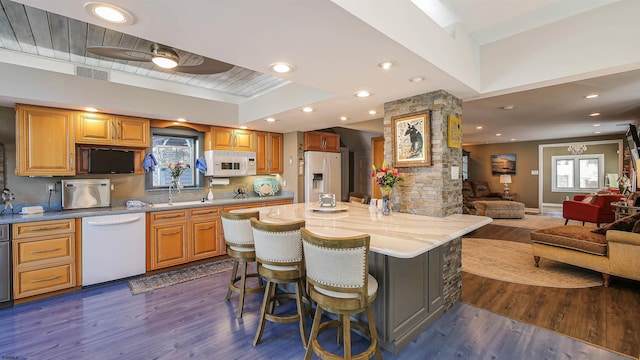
[(168, 216), (45, 228), (119, 131), (234, 140), (45, 279), (171, 233), (44, 251), (208, 228), (204, 212)]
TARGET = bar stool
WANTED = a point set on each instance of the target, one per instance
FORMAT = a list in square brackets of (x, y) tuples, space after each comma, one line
[(239, 239), (339, 282), (279, 254)]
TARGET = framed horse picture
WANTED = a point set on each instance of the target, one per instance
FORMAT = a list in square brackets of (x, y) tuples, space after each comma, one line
[(411, 140)]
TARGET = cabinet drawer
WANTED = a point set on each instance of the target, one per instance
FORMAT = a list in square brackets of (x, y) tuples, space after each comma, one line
[(41, 280), (169, 215), (40, 228), (27, 252), (205, 212)]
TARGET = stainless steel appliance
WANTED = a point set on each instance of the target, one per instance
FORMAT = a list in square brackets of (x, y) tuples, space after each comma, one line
[(5, 264), (230, 163), (86, 193), (322, 174), (113, 247)]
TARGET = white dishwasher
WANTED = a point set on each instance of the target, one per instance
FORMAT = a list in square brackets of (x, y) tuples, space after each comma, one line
[(113, 247)]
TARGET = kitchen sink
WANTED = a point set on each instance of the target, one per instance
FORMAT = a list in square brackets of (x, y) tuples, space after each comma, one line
[(180, 203)]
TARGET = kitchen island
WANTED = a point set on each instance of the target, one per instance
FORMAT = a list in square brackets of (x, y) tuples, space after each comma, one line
[(406, 259)]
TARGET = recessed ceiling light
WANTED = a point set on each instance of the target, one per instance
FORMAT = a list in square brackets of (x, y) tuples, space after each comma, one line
[(386, 65), (181, 120), (512, 139), (372, 112), (109, 12), (281, 68), (307, 109), (478, 127), (270, 119), (507, 107), (597, 132), (344, 118), (591, 96), (498, 134), (416, 79), (362, 93), (594, 114), (243, 127), (90, 109), (596, 125)]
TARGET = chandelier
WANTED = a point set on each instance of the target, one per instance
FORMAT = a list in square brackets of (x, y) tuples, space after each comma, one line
[(577, 149)]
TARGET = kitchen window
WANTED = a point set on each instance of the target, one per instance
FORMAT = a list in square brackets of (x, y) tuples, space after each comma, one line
[(577, 173), (170, 146)]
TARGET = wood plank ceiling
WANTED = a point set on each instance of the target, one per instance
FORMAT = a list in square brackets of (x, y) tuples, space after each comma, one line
[(33, 31)]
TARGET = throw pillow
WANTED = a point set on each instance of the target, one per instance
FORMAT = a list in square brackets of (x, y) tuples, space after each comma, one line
[(590, 199), (625, 224)]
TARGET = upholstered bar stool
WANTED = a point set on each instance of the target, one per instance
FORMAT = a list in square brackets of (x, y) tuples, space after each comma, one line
[(339, 282), (279, 254), (239, 239)]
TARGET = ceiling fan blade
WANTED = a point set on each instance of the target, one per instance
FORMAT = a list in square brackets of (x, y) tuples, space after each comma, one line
[(120, 53), (206, 67)]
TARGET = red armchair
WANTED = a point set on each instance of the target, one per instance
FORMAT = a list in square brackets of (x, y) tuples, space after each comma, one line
[(598, 212)]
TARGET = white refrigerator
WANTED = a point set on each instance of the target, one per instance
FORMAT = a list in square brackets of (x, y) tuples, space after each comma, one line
[(322, 174)]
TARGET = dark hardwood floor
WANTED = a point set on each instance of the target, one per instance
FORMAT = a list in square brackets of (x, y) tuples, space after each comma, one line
[(191, 320), (606, 317)]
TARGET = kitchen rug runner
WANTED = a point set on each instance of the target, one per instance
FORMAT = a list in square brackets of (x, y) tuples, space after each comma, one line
[(157, 281), (513, 262)]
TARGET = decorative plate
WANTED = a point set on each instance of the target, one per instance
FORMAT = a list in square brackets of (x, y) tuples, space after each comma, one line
[(265, 186)]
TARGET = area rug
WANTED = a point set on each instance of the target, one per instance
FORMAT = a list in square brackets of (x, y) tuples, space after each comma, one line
[(536, 222), (161, 280), (513, 262)]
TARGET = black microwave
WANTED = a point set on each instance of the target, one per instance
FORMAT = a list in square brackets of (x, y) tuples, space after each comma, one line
[(111, 161)]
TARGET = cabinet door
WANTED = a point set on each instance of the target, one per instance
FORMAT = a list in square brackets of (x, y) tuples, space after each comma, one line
[(45, 141), (169, 245), (332, 142), (94, 128), (244, 140), (313, 140), (262, 152), (205, 238), (221, 138), (132, 131), (275, 158)]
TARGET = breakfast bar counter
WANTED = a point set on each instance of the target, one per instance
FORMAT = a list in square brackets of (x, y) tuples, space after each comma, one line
[(408, 257)]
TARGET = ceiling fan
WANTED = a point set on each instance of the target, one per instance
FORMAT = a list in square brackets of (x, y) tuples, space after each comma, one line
[(162, 56)]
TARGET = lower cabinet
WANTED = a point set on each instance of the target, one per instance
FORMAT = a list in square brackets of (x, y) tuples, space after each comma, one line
[(43, 257), (177, 237)]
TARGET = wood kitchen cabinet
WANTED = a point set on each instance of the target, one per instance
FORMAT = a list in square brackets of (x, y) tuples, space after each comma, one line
[(321, 141), (167, 239), (106, 129), (222, 138), (205, 227), (44, 257), (45, 141), (269, 153)]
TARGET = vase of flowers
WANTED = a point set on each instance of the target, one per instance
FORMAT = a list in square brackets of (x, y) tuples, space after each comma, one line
[(176, 170), (387, 178)]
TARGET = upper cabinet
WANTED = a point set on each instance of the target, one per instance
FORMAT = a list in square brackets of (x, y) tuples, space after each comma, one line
[(44, 141), (269, 153), (104, 129), (231, 139), (321, 141)]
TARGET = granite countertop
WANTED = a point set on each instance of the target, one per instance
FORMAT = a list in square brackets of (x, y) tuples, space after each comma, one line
[(114, 210), (398, 235)]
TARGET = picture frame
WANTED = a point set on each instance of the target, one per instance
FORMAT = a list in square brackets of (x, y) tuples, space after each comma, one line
[(411, 140), (454, 134), (503, 164)]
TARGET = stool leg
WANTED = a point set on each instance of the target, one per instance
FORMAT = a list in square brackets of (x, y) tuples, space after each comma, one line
[(300, 304), (346, 331), (373, 332), (234, 273), (314, 332), (263, 311), (243, 281)]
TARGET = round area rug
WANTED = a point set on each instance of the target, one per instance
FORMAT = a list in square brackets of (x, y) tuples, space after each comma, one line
[(513, 262)]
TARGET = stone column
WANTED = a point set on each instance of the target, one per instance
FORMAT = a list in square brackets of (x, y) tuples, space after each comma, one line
[(429, 190)]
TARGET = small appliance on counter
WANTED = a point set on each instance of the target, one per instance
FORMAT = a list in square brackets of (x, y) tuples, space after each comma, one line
[(86, 193)]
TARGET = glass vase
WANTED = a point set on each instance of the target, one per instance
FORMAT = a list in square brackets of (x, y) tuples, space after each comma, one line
[(386, 200)]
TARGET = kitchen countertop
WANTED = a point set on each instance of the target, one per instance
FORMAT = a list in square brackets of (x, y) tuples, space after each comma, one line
[(68, 214), (398, 235)]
